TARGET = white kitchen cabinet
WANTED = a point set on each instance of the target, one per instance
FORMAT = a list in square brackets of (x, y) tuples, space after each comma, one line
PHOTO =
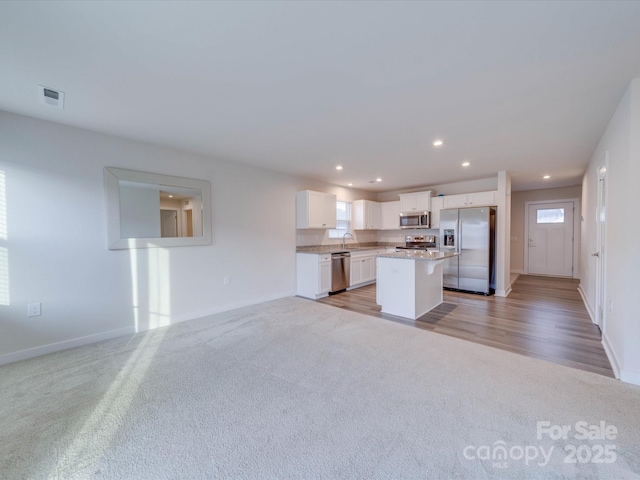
[(482, 199), (313, 275), (455, 201), (390, 215), (374, 255), (362, 268), (415, 202), (315, 210), (366, 215), (325, 275), (436, 205), (478, 199)]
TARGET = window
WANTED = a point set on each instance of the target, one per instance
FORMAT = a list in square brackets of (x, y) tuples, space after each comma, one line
[(550, 215), (343, 220)]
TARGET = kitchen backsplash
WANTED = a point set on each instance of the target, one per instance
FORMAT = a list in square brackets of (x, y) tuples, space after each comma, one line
[(306, 238), (397, 236)]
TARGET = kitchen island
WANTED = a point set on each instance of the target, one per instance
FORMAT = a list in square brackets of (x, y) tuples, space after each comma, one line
[(409, 283)]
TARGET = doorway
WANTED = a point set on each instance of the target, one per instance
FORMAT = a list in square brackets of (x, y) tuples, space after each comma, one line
[(189, 214), (168, 223), (549, 230)]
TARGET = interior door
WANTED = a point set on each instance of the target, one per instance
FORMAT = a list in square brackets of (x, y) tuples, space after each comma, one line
[(551, 239), (168, 223)]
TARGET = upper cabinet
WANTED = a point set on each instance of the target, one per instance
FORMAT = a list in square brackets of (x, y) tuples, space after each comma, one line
[(315, 210), (479, 199), (415, 202), (390, 215), (366, 215), (436, 205)]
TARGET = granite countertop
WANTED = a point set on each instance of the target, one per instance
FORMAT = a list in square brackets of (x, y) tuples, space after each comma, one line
[(419, 255), (350, 247)]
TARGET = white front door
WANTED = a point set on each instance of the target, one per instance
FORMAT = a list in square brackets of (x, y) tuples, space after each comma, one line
[(550, 241)]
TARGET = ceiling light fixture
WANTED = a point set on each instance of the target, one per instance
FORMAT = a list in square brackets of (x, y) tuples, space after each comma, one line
[(547, 177), (466, 164), (378, 179), (350, 184), (437, 143), (170, 196), (339, 167)]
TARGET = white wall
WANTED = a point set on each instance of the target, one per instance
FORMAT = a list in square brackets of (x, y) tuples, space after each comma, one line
[(621, 142), (56, 240)]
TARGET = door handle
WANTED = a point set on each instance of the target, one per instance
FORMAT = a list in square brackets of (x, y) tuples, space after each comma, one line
[(596, 254)]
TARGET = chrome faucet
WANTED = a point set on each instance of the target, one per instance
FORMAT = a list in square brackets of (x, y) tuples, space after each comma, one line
[(344, 240)]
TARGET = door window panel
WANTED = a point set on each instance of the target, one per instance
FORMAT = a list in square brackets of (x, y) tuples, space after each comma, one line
[(550, 215)]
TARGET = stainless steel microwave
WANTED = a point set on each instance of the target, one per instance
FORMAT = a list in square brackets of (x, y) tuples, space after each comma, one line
[(415, 220)]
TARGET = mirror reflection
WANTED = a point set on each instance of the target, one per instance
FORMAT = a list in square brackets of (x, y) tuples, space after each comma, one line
[(153, 210)]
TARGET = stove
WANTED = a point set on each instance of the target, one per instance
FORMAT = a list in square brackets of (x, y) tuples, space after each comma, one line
[(419, 242)]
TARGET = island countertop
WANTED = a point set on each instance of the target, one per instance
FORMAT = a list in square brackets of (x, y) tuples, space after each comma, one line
[(419, 255)]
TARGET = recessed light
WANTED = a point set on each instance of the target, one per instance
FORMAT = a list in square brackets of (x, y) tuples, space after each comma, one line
[(547, 177), (170, 196), (466, 164), (437, 143), (339, 167), (378, 179), (350, 184)]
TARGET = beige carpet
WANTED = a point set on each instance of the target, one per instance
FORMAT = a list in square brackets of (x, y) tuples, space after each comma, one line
[(295, 389)]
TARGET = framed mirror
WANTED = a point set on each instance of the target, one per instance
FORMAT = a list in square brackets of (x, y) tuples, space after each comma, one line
[(146, 210)]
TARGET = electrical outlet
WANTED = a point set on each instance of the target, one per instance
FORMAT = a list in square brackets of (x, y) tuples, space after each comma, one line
[(227, 281), (34, 309)]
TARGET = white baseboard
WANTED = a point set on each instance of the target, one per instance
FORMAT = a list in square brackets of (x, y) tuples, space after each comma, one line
[(64, 345), (99, 337), (586, 303), (623, 375), (611, 355), (503, 293), (229, 306), (630, 377)]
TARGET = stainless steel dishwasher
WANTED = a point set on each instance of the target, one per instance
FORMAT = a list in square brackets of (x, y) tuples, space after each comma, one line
[(340, 267)]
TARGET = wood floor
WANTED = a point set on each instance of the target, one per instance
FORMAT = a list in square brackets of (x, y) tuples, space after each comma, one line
[(543, 318)]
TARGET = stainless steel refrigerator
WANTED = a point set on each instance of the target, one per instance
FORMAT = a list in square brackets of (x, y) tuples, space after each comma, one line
[(471, 233)]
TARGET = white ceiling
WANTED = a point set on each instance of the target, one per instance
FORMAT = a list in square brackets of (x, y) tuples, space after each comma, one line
[(303, 86)]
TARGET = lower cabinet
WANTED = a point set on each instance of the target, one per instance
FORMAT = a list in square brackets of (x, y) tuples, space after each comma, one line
[(313, 275), (363, 267), (325, 274), (313, 272)]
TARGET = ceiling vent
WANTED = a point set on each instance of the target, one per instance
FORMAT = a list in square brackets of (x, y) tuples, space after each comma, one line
[(51, 97)]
